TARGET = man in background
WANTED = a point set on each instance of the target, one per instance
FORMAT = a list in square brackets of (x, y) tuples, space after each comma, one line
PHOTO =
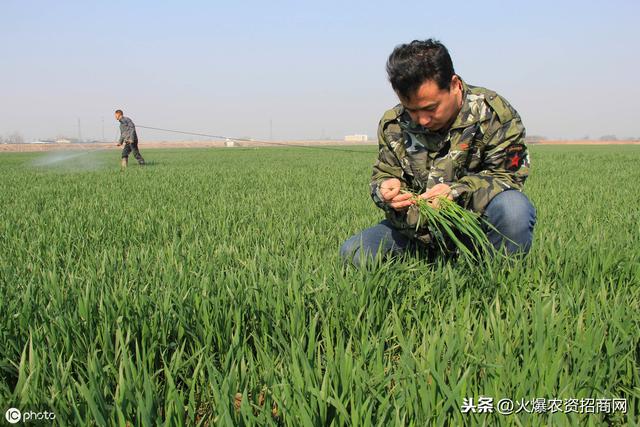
[(129, 138)]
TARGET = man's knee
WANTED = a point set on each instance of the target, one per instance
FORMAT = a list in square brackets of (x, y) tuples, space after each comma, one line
[(348, 248), (513, 216), (374, 242), (360, 250)]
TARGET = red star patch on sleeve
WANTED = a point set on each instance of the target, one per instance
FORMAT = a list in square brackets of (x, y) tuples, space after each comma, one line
[(514, 157), (515, 161)]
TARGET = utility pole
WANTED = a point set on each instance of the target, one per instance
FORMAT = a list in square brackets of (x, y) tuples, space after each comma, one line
[(270, 129), (103, 140), (79, 131)]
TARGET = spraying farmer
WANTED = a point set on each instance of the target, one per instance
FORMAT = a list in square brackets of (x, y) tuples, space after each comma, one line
[(129, 138), (448, 139)]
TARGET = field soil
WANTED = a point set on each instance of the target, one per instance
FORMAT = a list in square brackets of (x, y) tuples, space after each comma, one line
[(175, 144), (586, 142), (221, 144)]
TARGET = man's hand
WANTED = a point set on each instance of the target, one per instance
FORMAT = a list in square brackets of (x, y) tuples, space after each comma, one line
[(433, 195), (390, 192)]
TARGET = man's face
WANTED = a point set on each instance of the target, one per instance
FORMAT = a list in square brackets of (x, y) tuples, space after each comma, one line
[(118, 115), (432, 107)]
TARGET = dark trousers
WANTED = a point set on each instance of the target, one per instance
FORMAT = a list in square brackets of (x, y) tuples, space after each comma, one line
[(132, 147)]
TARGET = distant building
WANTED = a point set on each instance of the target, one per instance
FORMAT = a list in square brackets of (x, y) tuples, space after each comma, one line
[(63, 141), (356, 138), (533, 139), (229, 143)]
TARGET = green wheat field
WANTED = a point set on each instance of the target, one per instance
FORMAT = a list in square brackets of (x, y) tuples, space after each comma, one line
[(206, 289)]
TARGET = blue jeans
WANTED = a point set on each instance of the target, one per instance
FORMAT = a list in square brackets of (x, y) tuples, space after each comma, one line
[(510, 212)]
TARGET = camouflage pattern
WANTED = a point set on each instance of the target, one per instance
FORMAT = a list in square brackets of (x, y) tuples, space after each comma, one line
[(482, 154)]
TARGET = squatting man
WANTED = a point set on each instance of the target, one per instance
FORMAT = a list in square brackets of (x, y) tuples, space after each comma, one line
[(449, 139)]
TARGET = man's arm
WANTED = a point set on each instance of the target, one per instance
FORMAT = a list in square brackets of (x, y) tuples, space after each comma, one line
[(387, 174), (505, 165), (387, 183)]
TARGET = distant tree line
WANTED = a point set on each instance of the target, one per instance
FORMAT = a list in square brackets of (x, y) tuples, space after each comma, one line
[(14, 138), (537, 138), (615, 138)]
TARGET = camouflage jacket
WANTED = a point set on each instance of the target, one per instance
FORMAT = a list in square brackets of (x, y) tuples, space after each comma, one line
[(127, 131), (481, 154)]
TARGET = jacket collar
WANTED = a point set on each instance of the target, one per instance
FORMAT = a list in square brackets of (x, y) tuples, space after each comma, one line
[(466, 116)]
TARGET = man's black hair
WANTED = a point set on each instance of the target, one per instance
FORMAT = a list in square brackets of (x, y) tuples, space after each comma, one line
[(119, 112), (412, 64)]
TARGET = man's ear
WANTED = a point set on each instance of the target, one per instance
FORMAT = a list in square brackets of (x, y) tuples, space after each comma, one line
[(455, 82)]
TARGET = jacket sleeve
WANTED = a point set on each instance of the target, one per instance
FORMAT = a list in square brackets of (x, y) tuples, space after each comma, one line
[(505, 165), (388, 166)]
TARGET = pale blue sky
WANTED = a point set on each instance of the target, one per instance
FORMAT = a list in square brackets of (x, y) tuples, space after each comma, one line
[(313, 68)]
